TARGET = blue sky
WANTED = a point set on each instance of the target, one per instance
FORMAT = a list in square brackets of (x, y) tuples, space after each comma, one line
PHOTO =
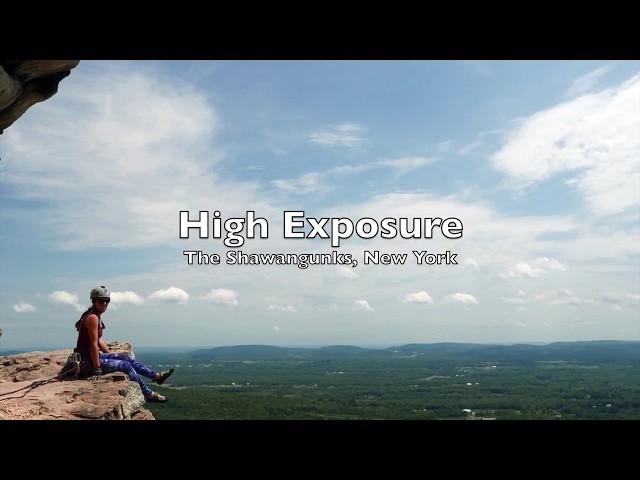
[(540, 160)]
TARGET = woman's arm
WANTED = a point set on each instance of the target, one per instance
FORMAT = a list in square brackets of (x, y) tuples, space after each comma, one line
[(103, 346), (91, 323)]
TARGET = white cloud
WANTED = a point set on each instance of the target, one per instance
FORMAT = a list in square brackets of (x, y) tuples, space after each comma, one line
[(612, 299), (345, 135), (24, 308), (497, 241), (348, 272), (538, 267), (595, 136), (489, 228), (276, 328), (549, 264), (138, 143), (572, 301), (306, 183), (362, 306), (444, 146), (66, 298), (478, 141), (417, 297), (473, 262), (462, 297), (282, 308), (60, 296), (171, 294), (405, 164), (514, 300), (585, 83), (619, 301), (518, 299), (223, 296), (523, 270), (315, 181), (126, 297), (567, 297), (470, 147)]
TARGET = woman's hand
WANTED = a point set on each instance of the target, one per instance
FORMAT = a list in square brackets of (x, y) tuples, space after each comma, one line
[(103, 346)]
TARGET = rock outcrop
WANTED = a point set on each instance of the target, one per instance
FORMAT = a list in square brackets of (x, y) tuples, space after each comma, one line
[(112, 397), (24, 83)]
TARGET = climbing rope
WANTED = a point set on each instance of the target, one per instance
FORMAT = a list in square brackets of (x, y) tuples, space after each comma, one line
[(30, 387), (71, 367)]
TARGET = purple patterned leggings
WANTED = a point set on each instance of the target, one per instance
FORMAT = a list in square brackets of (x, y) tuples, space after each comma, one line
[(125, 362)]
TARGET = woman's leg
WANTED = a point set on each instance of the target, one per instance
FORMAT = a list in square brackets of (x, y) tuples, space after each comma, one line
[(126, 357), (111, 365)]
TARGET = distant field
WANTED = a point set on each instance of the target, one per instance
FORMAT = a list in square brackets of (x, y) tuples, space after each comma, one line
[(586, 380)]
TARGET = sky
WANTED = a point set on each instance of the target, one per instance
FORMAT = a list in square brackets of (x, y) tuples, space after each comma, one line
[(540, 160)]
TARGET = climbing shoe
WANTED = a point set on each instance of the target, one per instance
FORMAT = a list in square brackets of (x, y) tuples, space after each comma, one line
[(163, 376), (156, 397)]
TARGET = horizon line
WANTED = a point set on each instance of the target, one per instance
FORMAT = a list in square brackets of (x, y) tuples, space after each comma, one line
[(312, 346)]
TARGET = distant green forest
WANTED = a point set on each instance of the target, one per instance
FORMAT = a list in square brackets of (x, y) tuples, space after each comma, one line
[(568, 380)]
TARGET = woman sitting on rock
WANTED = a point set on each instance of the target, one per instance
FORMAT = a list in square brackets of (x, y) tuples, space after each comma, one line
[(95, 353)]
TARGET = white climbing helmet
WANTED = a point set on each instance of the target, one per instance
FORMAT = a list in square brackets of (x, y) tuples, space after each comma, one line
[(99, 292)]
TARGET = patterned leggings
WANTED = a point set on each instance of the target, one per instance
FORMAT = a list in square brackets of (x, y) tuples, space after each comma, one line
[(125, 362)]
